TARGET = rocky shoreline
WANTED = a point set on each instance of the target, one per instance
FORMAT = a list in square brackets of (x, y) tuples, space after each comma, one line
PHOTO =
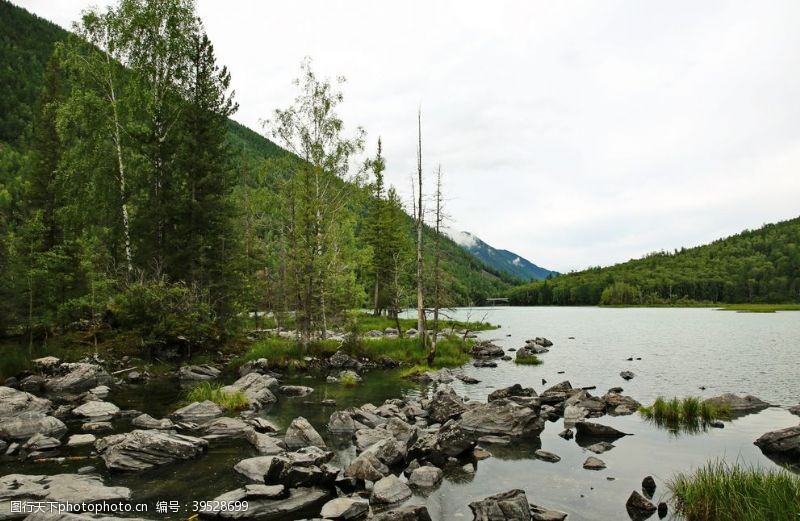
[(401, 446)]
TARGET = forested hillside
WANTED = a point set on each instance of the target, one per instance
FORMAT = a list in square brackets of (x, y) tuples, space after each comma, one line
[(128, 195), (760, 265)]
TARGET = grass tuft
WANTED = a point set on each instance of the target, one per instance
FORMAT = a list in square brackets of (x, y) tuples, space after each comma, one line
[(235, 401), (528, 360), (722, 492), (690, 414), (348, 379)]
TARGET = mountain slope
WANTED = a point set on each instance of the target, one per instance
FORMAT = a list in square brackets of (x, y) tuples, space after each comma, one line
[(26, 44), (501, 260), (760, 265)]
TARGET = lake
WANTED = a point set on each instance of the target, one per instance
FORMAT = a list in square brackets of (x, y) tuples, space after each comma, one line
[(681, 350)]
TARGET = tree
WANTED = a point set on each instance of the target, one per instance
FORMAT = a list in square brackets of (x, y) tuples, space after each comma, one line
[(420, 225), (437, 257)]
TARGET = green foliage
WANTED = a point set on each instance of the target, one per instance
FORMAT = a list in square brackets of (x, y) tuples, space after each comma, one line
[(528, 360), (230, 401), (760, 308), (348, 379), (722, 492), (689, 414), (757, 266)]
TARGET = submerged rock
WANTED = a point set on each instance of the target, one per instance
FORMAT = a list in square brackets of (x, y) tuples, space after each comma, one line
[(142, 450), (506, 506), (783, 442), (738, 404)]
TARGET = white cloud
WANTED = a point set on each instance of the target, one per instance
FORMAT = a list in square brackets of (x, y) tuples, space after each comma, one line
[(574, 133)]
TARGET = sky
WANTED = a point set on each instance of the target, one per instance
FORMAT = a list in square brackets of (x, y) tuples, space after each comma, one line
[(575, 134)]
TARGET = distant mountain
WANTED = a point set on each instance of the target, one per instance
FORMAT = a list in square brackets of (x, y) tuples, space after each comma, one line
[(501, 260)]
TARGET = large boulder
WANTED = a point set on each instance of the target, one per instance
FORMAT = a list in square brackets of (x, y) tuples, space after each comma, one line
[(501, 418), (225, 427), (389, 490), (506, 506), (341, 360), (389, 451), (486, 350), (366, 467), (256, 387), (78, 377), (270, 503), (264, 443), (619, 404), (24, 425), (426, 476), (198, 373), (146, 449), (197, 412), (738, 404), (514, 390), (13, 402), (61, 488), (452, 440), (444, 405), (96, 411), (341, 423), (784, 442), (301, 434), (254, 468)]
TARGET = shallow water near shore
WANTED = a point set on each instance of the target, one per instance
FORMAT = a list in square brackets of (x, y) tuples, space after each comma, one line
[(680, 350)]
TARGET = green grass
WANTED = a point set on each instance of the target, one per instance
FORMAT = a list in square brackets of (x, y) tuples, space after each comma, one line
[(760, 308), (528, 360), (367, 322), (235, 401), (348, 379), (688, 414), (722, 492)]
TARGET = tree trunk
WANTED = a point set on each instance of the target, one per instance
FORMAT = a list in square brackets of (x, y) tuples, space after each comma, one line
[(420, 293)]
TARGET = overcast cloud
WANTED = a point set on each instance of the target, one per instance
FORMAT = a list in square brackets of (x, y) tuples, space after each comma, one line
[(572, 133)]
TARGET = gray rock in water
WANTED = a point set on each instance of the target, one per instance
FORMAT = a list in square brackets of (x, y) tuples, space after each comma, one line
[(301, 434), (96, 426), (145, 421), (600, 447), (494, 440), (256, 387), (79, 440), (573, 414), (264, 443), (13, 402), (444, 405), (61, 488), (514, 390), (79, 377), (197, 412), (619, 405), (272, 502), (254, 468), (596, 430), (24, 425), (627, 375), (506, 506), (345, 508), (254, 366), (486, 349), (389, 490), (452, 440), (40, 442), (738, 404), (142, 450), (545, 514), (198, 373), (389, 451), (639, 507), (366, 467), (593, 463), (547, 456), (225, 427), (64, 516), (427, 476), (784, 442), (296, 390), (341, 360), (407, 513), (341, 423), (795, 410), (366, 438), (501, 418), (96, 410), (32, 384), (46, 364)]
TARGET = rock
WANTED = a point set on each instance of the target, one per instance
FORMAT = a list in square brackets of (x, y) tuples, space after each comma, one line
[(88, 469), (366, 467), (296, 390), (600, 447), (639, 507), (406, 513), (494, 440), (301, 434), (784, 442), (96, 410), (593, 463), (615, 390), (96, 426), (626, 375), (254, 468), (24, 425), (573, 414), (225, 427), (391, 331), (79, 377), (514, 390), (649, 486), (262, 424), (32, 384), (100, 392), (146, 449), (411, 332), (795, 410), (402, 431), (596, 430), (198, 373), (619, 405), (468, 379), (452, 440), (271, 503), (389, 451), (506, 506), (486, 350), (567, 434), (145, 421), (345, 508), (738, 404), (40, 442), (61, 488), (389, 490), (501, 418), (662, 510), (79, 440), (341, 423), (547, 456), (197, 412), (13, 402), (260, 365), (373, 333), (46, 364), (301, 470), (545, 514), (444, 404), (256, 387), (340, 360), (484, 363), (427, 476), (264, 443)]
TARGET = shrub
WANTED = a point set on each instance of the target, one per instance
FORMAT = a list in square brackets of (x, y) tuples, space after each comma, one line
[(528, 360)]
